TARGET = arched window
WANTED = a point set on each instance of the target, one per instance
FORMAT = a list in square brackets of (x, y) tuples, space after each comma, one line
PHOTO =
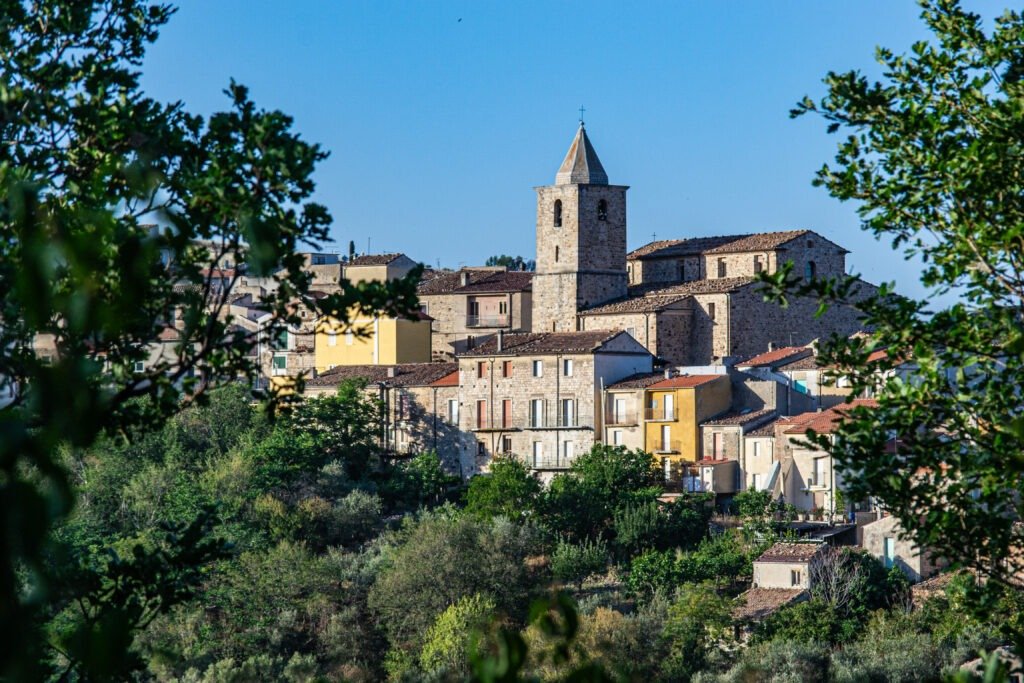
[(602, 210), (558, 213), (809, 270)]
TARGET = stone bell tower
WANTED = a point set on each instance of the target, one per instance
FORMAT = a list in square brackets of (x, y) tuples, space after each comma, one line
[(581, 240)]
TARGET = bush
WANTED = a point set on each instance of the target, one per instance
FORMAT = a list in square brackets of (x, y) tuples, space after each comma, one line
[(889, 649), (445, 646), (779, 661), (574, 562), (509, 490)]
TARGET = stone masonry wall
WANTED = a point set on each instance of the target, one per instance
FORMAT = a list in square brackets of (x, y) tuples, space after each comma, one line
[(732, 441)]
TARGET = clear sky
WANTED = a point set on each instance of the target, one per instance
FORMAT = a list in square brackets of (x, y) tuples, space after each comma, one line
[(441, 117)]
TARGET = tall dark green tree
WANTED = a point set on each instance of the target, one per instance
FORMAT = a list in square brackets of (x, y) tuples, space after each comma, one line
[(932, 154), (121, 217)]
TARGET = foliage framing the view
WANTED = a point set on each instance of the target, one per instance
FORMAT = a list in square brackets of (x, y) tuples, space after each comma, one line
[(103, 195)]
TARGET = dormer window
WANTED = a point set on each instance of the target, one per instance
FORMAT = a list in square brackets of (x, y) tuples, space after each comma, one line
[(558, 213), (602, 210)]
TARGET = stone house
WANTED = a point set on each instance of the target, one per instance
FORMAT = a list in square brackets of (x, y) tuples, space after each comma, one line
[(537, 396), (722, 444), (758, 466), (885, 539), (377, 267), (469, 305), (808, 478), (788, 565), (419, 402)]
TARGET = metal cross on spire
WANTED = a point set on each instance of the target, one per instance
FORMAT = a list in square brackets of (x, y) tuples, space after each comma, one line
[(581, 114)]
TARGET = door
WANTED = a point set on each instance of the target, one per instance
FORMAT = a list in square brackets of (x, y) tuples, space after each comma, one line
[(890, 551), (506, 413), (670, 407), (756, 484), (717, 446), (619, 411), (666, 438), (568, 412)]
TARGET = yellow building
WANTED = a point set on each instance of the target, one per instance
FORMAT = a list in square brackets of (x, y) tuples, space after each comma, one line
[(673, 411), (372, 341)]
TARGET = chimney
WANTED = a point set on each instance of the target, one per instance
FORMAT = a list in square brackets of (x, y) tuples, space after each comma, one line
[(668, 373), (391, 372), (501, 340), (463, 278), (771, 346)]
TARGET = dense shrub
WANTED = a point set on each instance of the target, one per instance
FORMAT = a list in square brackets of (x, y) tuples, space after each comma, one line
[(574, 562)]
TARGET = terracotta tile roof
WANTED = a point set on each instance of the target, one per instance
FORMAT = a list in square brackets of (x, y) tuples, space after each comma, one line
[(638, 381), (445, 282), (373, 259), (636, 304), (932, 587), (791, 552), (742, 418), (684, 381), (720, 285), (405, 374), (503, 281), (449, 380), (825, 421), (776, 357), (721, 244), (169, 334), (767, 429), (760, 241), (526, 343), (675, 248), (804, 363), (757, 603)]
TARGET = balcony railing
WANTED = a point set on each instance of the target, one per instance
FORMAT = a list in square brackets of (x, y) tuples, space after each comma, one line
[(497, 424), (548, 462), (660, 414), (670, 446), (487, 320), (614, 419), (559, 419)]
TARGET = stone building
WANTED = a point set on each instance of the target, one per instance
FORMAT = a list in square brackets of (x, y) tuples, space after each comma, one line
[(886, 540), (722, 446), (469, 305), (537, 396), (420, 406), (581, 240)]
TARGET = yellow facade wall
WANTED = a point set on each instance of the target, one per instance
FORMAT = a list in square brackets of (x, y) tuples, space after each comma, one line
[(692, 405), (384, 341)]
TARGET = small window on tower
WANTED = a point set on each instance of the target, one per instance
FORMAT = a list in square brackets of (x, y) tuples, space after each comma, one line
[(602, 210), (558, 213), (711, 311), (556, 254)]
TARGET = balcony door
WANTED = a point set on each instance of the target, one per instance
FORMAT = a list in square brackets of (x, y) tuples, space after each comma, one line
[(666, 438), (670, 407), (619, 411)]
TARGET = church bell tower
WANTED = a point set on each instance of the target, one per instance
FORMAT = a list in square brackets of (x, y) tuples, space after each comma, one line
[(581, 240)]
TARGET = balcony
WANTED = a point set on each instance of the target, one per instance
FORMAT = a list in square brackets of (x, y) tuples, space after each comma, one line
[(620, 419), (660, 414), (671, 446), (559, 419), (501, 320), (548, 462), (496, 425)]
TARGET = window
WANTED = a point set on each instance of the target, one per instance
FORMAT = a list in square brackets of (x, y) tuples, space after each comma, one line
[(602, 210), (332, 338), (757, 450), (558, 213), (800, 385), (470, 341), (139, 366), (758, 266), (711, 311), (567, 413), (423, 309), (889, 551), (537, 412), (810, 270), (502, 307), (506, 444), (756, 484), (349, 339), (568, 450), (506, 413), (556, 253), (538, 368), (538, 453), (481, 449), (481, 369), (617, 437), (403, 406), (810, 244), (666, 439), (474, 308), (506, 368), (721, 267), (279, 362), (666, 468), (481, 414), (567, 367), (818, 478), (453, 411), (631, 331), (279, 339), (796, 577), (717, 446)]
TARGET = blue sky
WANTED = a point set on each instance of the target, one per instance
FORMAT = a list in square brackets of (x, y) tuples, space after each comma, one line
[(441, 117)]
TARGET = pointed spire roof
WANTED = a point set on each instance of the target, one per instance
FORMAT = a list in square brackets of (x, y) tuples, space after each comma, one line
[(581, 165)]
